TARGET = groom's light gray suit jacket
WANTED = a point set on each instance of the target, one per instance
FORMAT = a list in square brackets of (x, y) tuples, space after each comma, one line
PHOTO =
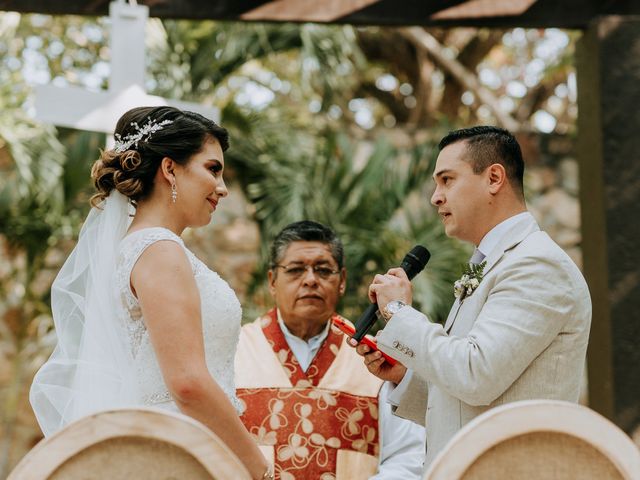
[(522, 334)]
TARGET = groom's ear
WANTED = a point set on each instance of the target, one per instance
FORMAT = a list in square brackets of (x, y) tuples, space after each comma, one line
[(496, 177)]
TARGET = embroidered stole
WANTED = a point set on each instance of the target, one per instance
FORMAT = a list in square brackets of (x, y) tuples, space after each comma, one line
[(319, 416)]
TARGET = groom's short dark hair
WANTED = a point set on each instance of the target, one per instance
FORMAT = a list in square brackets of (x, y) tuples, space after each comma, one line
[(487, 145), (305, 231)]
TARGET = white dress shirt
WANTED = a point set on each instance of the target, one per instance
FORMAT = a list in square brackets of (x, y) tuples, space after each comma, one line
[(402, 442), (493, 236)]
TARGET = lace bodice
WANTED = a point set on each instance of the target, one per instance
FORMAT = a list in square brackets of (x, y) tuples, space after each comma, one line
[(220, 311)]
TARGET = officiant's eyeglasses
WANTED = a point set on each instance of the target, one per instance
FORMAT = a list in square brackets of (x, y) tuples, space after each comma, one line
[(296, 271)]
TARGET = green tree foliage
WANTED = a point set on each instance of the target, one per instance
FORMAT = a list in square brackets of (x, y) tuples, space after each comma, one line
[(30, 211), (43, 188), (372, 194)]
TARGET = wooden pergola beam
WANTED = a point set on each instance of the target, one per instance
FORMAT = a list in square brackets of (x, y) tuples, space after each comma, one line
[(487, 13)]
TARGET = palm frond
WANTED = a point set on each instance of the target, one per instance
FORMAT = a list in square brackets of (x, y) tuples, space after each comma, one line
[(371, 193), (31, 197)]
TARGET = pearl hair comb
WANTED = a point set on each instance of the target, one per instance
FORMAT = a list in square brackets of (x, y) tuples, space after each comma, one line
[(143, 133)]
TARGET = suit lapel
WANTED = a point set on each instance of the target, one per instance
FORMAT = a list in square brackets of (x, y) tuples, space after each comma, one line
[(512, 237), (453, 313)]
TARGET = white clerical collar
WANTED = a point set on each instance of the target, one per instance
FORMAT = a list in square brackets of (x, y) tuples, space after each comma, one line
[(493, 237), (304, 351)]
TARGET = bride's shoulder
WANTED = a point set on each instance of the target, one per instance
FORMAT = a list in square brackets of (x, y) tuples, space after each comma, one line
[(136, 242), (149, 235)]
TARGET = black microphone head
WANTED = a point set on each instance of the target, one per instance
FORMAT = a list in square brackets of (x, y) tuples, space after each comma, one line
[(415, 261)]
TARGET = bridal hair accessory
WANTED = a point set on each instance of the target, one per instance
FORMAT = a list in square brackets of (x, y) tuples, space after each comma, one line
[(174, 192), (142, 134), (470, 280)]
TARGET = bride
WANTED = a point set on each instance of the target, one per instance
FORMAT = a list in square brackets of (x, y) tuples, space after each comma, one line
[(140, 320)]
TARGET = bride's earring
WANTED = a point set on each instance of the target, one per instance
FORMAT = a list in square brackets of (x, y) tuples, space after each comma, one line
[(174, 192)]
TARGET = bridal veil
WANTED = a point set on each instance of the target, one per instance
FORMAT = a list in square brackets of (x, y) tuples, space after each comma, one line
[(90, 369)]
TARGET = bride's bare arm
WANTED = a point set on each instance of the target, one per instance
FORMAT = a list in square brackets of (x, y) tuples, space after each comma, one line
[(163, 281)]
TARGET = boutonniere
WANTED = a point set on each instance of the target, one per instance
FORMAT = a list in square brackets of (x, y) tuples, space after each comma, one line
[(470, 280)]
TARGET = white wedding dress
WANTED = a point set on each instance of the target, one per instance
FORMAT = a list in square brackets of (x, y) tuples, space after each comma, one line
[(103, 357), (220, 310)]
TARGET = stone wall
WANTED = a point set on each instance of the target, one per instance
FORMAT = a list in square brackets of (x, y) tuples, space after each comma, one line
[(552, 189), (230, 243)]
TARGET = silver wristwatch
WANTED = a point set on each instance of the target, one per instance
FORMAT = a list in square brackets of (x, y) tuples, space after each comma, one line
[(392, 308)]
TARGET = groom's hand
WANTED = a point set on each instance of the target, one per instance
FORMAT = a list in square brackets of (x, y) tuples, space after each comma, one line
[(393, 285), (375, 363)]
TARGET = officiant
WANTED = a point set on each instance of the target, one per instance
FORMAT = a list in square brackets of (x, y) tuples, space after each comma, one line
[(310, 402)]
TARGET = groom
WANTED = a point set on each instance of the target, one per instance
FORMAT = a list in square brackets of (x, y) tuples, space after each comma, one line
[(520, 323)]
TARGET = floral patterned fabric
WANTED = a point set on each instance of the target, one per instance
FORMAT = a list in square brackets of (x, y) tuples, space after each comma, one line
[(305, 423)]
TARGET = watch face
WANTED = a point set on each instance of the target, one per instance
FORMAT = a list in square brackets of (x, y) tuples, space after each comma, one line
[(391, 308), (394, 306)]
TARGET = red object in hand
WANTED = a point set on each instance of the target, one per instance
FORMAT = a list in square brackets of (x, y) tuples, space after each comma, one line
[(367, 340)]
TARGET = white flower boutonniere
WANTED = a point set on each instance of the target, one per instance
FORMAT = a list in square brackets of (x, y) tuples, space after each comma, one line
[(470, 280)]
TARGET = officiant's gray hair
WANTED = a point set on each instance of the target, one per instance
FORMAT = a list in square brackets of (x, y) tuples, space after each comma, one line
[(305, 231)]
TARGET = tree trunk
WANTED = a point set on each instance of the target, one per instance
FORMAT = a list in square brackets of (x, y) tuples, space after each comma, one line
[(466, 78)]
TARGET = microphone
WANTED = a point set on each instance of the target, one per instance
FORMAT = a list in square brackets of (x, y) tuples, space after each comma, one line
[(412, 263)]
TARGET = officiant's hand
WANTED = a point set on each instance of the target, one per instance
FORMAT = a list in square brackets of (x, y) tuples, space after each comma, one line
[(375, 363)]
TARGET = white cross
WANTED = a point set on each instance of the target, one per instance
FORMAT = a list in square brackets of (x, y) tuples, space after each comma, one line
[(78, 108)]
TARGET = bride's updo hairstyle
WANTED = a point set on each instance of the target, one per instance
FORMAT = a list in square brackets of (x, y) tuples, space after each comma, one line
[(144, 136)]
